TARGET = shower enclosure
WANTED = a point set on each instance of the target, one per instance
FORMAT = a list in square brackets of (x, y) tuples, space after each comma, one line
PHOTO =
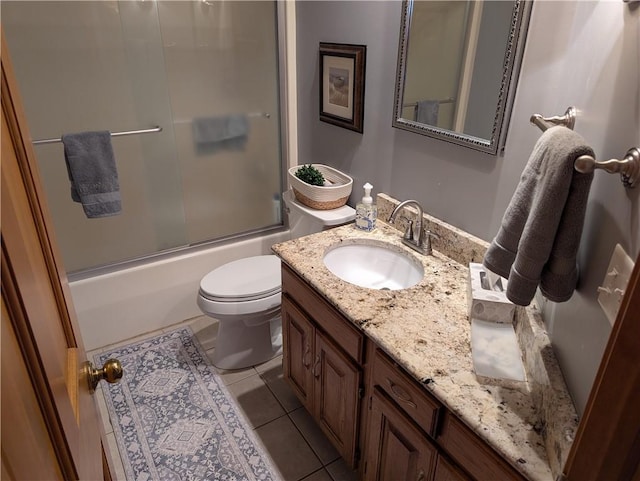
[(134, 65)]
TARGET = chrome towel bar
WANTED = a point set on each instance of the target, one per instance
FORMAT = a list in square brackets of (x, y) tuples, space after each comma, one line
[(628, 167), (113, 134), (449, 100), (568, 120)]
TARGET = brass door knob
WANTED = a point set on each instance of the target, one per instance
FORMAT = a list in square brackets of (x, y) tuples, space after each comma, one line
[(111, 372)]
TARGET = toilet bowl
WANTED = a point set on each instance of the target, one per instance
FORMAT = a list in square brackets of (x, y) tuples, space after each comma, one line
[(244, 295)]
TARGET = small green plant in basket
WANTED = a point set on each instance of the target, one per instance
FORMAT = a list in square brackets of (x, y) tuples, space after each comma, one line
[(310, 175)]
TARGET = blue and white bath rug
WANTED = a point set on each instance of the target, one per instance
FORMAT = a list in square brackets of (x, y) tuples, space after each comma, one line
[(174, 419)]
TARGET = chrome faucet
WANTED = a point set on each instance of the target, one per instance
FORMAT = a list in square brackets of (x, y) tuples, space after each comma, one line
[(420, 240)]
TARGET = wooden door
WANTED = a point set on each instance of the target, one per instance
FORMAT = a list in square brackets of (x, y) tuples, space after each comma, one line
[(336, 398), (397, 449), (607, 444), (50, 425), (297, 349)]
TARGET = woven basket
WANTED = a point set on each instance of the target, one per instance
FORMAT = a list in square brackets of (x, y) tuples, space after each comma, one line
[(332, 195)]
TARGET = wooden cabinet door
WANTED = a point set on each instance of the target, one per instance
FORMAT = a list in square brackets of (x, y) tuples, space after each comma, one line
[(397, 449), (337, 387), (446, 471), (297, 339)]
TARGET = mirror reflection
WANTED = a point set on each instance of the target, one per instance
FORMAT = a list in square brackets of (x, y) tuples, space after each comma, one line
[(455, 67)]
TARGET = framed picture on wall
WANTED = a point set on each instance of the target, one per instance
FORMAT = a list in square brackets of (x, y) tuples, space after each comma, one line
[(342, 68)]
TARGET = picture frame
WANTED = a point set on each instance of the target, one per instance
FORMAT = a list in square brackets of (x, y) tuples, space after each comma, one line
[(342, 74)]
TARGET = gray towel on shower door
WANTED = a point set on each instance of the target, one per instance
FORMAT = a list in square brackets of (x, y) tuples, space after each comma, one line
[(538, 240), (92, 172), (229, 132)]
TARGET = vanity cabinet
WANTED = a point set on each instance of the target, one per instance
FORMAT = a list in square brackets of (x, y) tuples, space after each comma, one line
[(404, 433), (448, 450), (321, 356), (402, 423)]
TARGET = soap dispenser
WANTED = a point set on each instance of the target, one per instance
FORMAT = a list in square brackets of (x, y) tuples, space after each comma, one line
[(366, 211)]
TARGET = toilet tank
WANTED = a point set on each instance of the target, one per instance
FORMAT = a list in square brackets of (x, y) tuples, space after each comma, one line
[(304, 220)]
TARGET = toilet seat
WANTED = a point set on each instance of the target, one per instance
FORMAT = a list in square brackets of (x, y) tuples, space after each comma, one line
[(249, 279)]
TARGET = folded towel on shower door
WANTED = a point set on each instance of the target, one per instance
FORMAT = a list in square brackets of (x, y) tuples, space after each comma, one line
[(427, 112), (92, 172), (538, 240), (229, 132)]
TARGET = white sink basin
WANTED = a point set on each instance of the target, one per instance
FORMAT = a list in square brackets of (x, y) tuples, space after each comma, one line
[(374, 265)]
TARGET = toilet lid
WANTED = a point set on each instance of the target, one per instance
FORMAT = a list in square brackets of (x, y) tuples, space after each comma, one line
[(243, 280)]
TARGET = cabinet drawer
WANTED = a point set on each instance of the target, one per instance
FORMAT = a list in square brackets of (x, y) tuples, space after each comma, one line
[(409, 396), (472, 453), (350, 339)]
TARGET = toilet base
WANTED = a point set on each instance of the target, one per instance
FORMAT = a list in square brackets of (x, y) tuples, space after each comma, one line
[(239, 346)]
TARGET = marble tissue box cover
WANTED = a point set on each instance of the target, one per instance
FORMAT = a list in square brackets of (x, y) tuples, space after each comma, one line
[(486, 304)]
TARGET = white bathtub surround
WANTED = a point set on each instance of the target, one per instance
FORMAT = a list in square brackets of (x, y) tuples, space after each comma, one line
[(133, 301)]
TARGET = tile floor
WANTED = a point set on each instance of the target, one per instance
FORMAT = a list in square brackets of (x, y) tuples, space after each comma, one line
[(295, 443)]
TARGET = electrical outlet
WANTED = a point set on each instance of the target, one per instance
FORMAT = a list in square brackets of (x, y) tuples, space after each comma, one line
[(615, 282)]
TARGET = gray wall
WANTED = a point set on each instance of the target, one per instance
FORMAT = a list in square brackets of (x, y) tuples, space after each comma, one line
[(579, 53)]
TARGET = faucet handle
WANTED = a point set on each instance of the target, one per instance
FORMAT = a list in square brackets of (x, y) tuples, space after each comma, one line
[(408, 232), (426, 240)]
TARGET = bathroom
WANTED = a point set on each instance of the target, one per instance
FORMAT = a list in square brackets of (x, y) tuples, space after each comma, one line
[(577, 53)]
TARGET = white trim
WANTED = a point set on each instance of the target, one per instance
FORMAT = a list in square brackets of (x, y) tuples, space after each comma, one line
[(466, 73), (291, 82)]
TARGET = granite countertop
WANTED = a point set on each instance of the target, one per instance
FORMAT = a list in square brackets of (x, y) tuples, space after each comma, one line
[(426, 330)]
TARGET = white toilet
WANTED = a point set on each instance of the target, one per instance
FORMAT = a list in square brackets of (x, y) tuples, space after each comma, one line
[(244, 295)]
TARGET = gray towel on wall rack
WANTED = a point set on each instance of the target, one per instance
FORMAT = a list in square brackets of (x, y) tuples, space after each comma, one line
[(92, 172), (538, 240)]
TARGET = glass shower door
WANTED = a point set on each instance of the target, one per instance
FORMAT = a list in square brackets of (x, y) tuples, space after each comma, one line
[(129, 65)]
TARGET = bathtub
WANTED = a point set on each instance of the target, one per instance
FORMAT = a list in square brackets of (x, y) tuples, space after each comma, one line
[(132, 301)]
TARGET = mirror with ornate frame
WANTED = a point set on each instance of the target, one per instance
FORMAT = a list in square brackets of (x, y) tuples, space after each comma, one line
[(457, 69)]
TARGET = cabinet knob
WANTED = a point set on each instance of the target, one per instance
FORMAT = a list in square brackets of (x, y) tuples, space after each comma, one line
[(420, 475)]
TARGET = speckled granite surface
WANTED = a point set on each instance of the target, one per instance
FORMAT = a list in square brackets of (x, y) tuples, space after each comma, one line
[(426, 329)]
